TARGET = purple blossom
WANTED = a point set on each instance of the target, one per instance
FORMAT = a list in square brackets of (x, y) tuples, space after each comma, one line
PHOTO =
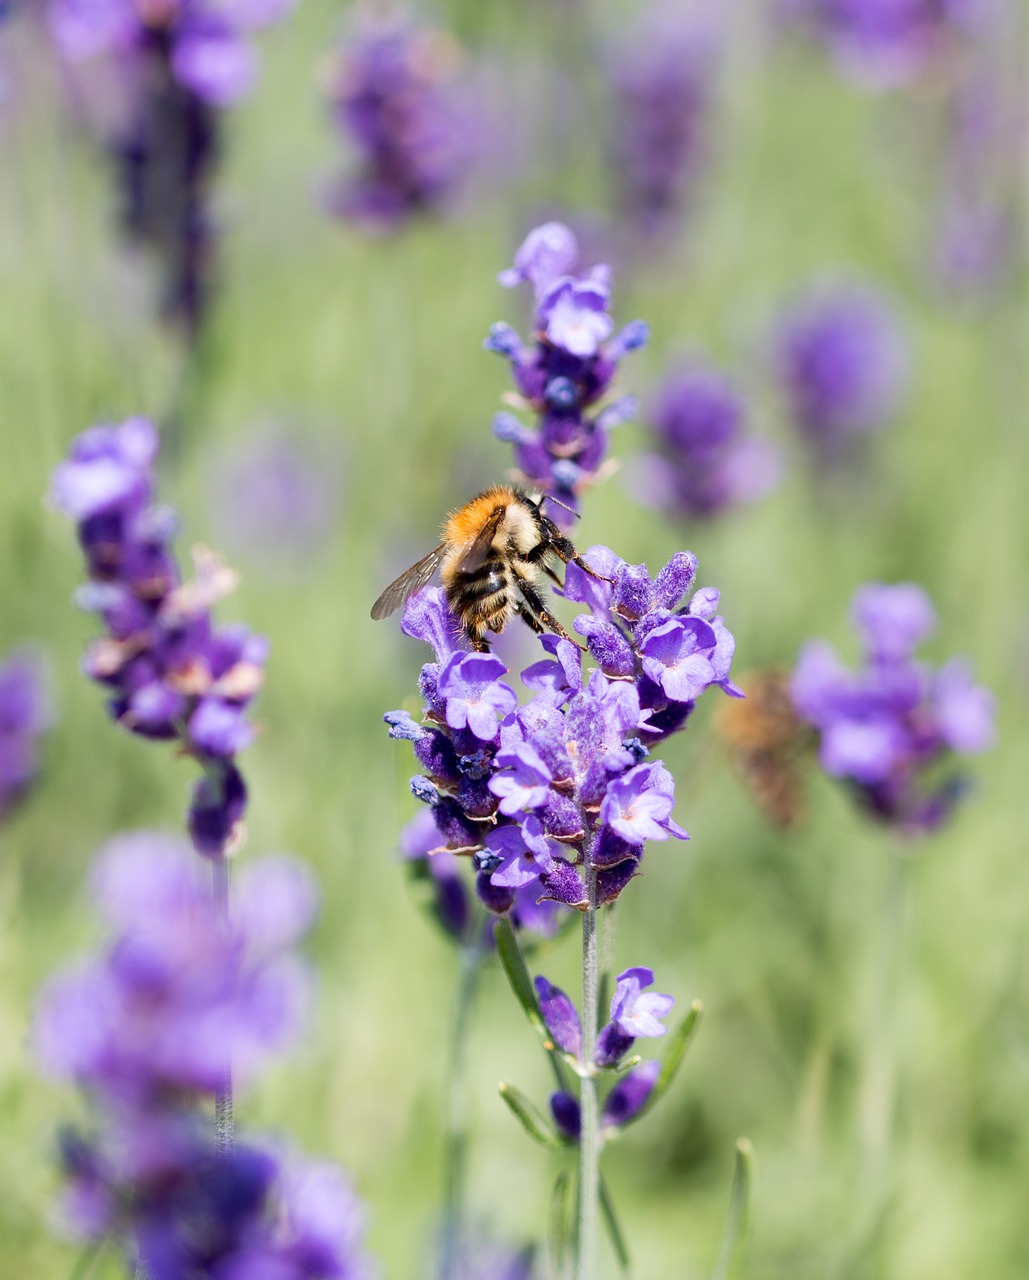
[(892, 727), (24, 715), (704, 464), (398, 97), (638, 805), (630, 1095), (475, 697), (634, 1013), (206, 43), (842, 361), (567, 368), (169, 671), (179, 992), (561, 1017), (663, 78)]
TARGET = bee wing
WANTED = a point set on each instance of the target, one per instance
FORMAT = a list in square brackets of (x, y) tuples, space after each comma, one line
[(474, 555), (410, 580)]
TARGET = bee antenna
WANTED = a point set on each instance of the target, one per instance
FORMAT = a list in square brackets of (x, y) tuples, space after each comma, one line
[(549, 497)]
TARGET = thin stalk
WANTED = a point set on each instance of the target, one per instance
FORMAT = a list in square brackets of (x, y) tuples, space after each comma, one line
[(456, 1136), (223, 1118), (589, 1144)]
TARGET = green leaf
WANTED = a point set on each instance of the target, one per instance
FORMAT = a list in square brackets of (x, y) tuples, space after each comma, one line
[(531, 1120), (734, 1237), (560, 1223), (518, 975), (673, 1056), (614, 1231)]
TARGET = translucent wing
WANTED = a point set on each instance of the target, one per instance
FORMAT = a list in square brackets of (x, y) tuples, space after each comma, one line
[(410, 580), (475, 554)]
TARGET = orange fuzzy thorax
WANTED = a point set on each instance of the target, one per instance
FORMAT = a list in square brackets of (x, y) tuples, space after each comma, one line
[(462, 525)]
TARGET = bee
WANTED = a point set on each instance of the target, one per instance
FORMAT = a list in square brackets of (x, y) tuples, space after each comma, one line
[(768, 742), (493, 550)]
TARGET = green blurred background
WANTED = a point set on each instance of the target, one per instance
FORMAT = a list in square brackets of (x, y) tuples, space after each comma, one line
[(370, 352)]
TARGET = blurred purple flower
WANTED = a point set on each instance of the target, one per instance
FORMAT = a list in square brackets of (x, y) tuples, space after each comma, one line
[(170, 672), (568, 367), (398, 97), (25, 713), (883, 43), (663, 77), (180, 990), (892, 727), (704, 464), (842, 361), (630, 1095), (561, 1017)]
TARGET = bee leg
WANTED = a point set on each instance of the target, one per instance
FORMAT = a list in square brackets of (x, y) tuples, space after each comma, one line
[(563, 548), (553, 575), (538, 616), (476, 636)]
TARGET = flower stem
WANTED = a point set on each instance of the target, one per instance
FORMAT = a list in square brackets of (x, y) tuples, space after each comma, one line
[(456, 1138), (589, 1146), (223, 1118)]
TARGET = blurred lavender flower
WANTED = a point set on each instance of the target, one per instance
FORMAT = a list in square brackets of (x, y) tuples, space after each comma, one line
[(172, 674), (145, 1030), (176, 63), (705, 464), (543, 792), (891, 728), (842, 361), (883, 43), (662, 75), (567, 369), (397, 96), (25, 714)]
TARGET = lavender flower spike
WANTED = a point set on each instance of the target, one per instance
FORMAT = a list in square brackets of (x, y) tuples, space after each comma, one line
[(169, 671), (566, 370), (892, 728), (24, 716)]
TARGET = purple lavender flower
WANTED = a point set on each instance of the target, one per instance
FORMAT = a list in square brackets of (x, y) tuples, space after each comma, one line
[(663, 79), (541, 793), (561, 1017), (566, 370), (630, 1095), (170, 672), (398, 98), (179, 990), (704, 463), (891, 728), (634, 1012), (175, 65), (24, 715), (842, 361)]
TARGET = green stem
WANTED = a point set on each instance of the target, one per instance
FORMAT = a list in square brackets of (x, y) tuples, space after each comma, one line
[(456, 1137), (223, 1118), (589, 1144), (86, 1260)]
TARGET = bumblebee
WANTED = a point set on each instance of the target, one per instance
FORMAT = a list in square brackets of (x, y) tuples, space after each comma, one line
[(493, 551)]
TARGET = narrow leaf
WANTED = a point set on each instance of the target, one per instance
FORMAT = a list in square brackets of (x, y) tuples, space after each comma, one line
[(734, 1237), (560, 1224), (614, 1231), (531, 1119), (675, 1052), (518, 975)]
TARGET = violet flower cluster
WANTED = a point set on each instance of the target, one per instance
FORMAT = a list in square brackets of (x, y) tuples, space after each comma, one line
[(842, 361), (557, 793), (635, 1012), (176, 64), (171, 673), (662, 80), (565, 372), (146, 1030), (705, 463), (398, 97), (892, 728), (24, 716)]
